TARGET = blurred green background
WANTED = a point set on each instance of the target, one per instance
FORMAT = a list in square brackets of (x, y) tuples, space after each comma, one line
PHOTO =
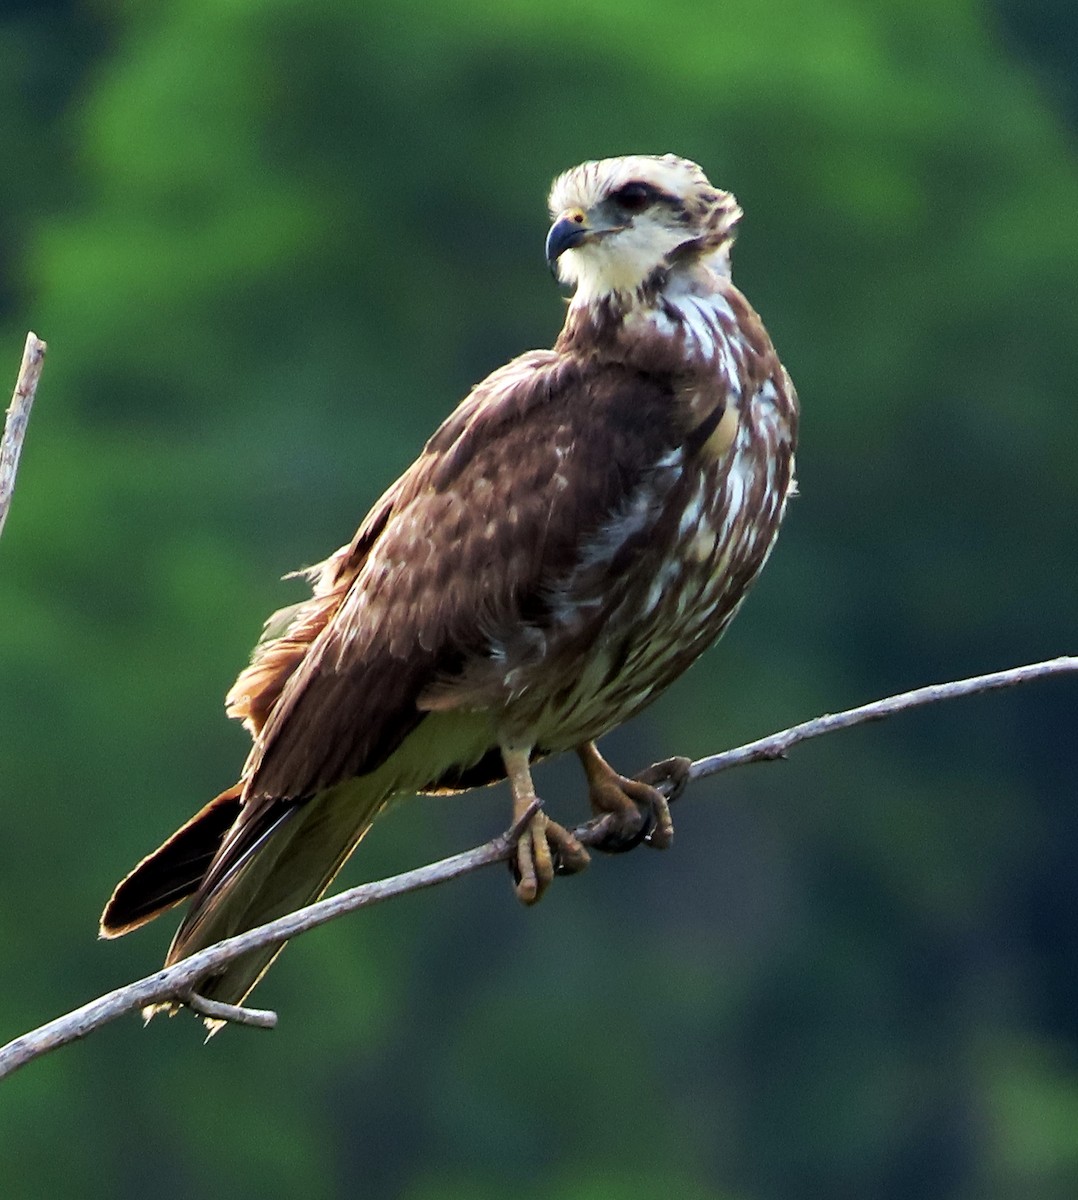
[(271, 243)]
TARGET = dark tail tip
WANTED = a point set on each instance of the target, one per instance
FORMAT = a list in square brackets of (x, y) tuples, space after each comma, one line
[(174, 870)]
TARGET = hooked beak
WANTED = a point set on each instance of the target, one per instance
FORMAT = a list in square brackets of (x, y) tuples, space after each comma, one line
[(569, 230), (572, 229)]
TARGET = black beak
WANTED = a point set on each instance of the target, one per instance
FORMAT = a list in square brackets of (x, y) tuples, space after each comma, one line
[(564, 234)]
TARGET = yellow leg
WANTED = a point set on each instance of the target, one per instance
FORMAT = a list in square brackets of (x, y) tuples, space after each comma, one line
[(633, 810), (545, 847)]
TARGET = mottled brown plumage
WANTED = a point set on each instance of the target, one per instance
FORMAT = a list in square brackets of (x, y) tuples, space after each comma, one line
[(574, 535)]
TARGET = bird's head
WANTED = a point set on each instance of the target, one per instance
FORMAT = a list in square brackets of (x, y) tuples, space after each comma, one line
[(621, 223)]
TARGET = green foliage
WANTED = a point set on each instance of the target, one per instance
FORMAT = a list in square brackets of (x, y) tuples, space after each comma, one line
[(271, 243)]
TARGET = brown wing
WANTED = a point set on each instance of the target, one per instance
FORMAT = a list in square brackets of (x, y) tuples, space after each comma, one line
[(458, 563), (288, 634)]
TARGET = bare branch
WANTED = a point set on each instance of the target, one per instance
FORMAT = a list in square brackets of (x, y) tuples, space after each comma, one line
[(33, 357), (778, 744), (178, 984), (236, 1014)]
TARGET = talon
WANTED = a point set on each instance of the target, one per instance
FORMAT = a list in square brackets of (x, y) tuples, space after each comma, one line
[(534, 868), (631, 811), (661, 834), (544, 849), (668, 776), (617, 833), (568, 854)]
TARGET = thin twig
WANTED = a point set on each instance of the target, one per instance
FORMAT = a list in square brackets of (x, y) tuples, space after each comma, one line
[(514, 831), (778, 744), (235, 1014), (176, 983), (22, 400)]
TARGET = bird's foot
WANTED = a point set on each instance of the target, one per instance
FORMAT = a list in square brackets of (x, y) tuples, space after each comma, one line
[(670, 776), (544, 849), (631, 811)]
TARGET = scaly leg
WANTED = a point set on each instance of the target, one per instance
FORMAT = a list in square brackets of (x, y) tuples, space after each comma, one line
[(545, 848), (632, 810)]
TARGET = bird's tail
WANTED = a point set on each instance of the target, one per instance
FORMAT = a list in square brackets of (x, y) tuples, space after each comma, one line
[(286, 860), (174, 870), (244, 874)]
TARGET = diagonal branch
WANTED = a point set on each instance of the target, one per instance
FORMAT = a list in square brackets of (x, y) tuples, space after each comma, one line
[(33, 357), (778, 744), (179, 983)]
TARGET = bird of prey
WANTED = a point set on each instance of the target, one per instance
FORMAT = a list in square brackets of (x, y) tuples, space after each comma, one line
[(573, 536)]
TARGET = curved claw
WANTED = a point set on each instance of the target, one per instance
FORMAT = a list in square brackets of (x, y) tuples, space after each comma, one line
[(614, 835), (668, 776), (563, 867), (544, 849), (631, 811)]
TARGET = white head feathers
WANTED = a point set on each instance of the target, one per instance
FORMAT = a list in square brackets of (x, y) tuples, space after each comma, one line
[(619, 221)]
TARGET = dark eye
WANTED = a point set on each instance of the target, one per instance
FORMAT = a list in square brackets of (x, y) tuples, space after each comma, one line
[(633, 197)]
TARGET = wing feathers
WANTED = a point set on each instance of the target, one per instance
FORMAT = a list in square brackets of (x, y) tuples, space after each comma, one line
[(464, 561), (457, 576)]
